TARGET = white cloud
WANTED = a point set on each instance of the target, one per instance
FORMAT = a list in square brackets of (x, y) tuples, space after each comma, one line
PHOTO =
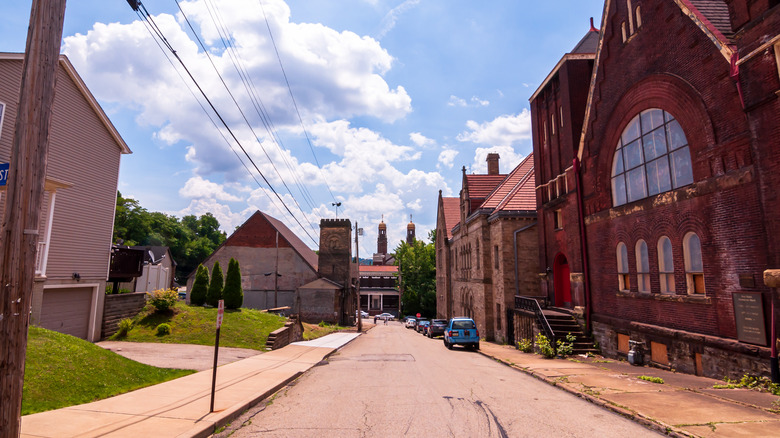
[(391, 18), (199, 188), (508, 159), (501, 131), (446, 158), (456, 101), (421, 140), (479, 102)]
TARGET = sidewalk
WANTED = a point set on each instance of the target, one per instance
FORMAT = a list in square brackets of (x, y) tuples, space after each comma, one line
[(683, 406), (180, 408)]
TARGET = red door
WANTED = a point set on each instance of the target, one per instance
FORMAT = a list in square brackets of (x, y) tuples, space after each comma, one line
[(562, 282)]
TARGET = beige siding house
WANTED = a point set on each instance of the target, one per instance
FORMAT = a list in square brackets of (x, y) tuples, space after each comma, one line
[(77, 213)]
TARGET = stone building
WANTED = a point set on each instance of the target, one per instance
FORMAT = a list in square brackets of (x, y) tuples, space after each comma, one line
[(486, 246), (672, 182)]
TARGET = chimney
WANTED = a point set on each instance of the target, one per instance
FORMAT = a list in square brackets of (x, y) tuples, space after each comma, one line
[(492, 164)]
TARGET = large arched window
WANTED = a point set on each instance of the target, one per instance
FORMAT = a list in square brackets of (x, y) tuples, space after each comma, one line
[(642, 267), (652, 157), (665, 265), (694, 268), (624, 281)]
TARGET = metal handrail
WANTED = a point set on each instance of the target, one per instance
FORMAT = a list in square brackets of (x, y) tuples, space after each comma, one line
[(532, 305)]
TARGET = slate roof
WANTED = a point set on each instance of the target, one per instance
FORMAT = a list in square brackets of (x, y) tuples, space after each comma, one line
[(588, 44), (451, 207), (517, 192), (716, 12)]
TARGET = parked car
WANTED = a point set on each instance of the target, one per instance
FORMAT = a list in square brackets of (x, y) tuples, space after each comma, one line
[(363, 314), (387, 316), (410, 322), (461, 331), (421, 325), (436, 328), (417, 323)]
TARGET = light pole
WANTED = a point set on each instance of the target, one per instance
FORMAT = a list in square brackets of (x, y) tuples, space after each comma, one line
[(337, 205), (358, 232)]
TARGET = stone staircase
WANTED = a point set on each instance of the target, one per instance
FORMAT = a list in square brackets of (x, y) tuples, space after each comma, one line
[(563, 324)]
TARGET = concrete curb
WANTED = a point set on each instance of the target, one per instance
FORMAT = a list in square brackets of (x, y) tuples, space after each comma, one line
[(235, 411), (649, 423)]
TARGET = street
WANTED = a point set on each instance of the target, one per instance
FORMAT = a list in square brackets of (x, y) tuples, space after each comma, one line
[(395, 382)]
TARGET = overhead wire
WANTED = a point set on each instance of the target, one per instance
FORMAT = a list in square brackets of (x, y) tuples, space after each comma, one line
[(147, 17), (240, 110)]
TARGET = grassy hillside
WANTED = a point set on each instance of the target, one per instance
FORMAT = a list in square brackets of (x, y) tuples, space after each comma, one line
[(244, 328), (62, 370)]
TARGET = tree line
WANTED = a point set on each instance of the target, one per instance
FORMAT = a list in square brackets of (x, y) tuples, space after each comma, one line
[(191, 239), (417, 276)]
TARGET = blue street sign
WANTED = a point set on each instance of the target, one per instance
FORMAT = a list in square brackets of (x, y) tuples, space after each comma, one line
[(3, 173)]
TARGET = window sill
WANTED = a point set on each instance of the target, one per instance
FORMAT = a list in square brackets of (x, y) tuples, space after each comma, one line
[(693, 299)]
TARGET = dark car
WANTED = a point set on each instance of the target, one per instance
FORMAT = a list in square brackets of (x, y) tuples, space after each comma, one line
[(421, 325), (436, 328), (417, 324), (461, 331)]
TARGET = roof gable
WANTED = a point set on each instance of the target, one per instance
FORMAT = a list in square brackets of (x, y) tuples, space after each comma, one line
[(508, 188), (451, 211)]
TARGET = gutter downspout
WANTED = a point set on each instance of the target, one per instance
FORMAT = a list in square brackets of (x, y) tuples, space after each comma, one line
[(583, 243), (517, 276)]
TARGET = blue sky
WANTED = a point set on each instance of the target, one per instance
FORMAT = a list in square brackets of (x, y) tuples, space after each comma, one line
[(394, 96)]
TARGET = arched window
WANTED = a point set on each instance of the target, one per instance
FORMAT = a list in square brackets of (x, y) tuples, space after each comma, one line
[(665, 265), (638, 17), (652, 157), (642, 267), (624, 281), (694, 268)]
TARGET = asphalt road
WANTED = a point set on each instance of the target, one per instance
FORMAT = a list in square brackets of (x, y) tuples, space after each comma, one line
[(393, 382)]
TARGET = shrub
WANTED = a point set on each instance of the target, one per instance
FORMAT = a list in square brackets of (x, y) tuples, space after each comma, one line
[(652, 379), (163, 299), (544, 346), (124, 326), (233, 293), (566, 348), (526, 345), (163, 329), (200, 287), (216, 284)]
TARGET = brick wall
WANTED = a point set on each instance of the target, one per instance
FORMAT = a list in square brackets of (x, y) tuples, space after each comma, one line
[(117, 307)]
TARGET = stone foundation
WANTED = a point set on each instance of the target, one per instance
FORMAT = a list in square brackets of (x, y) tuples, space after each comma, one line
[(682, 351)]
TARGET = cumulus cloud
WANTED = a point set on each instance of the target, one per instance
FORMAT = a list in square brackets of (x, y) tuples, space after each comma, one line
[(479, 102), (446, 158), (508, 159), (421, 140), (456, 101), (474, 102), (501, 131), (198, 188)]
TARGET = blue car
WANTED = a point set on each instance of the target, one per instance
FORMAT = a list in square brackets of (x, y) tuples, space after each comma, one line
[(461, 331)]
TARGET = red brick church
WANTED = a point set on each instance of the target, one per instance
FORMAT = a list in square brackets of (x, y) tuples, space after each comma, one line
[(656, 145)]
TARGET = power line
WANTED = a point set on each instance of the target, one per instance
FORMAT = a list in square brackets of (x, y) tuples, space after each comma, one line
[(149, 18)]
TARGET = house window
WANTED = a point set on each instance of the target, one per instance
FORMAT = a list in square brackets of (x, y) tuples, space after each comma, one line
[(623, 30), (552, 124), (694, 268), (665, 265), (630, 17), (638, 18), (642, 267), (557, 219), (560, 118), (652, 157), (624, 281)]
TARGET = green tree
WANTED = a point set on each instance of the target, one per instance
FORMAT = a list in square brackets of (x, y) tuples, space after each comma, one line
[(417, 277), (215, 286), (233, 293), (200, 287)]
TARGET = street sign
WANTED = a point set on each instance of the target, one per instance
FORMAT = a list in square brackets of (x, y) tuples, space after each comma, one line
[(418, 315), (220, 312), (4, 173)]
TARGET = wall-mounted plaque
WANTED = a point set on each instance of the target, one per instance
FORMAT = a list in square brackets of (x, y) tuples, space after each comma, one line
[(749, 316)]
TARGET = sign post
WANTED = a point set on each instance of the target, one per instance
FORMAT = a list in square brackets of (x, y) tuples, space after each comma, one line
[(220, 314)]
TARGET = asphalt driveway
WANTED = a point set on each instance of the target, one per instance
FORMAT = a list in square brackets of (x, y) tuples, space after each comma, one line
[(182, 356)]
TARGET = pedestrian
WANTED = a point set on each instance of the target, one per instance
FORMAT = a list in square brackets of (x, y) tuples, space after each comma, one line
[(375, 319), (385, 320)]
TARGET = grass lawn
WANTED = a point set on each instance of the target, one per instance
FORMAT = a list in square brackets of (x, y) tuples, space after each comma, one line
[(244, 328), (314, 331), (62, 370)]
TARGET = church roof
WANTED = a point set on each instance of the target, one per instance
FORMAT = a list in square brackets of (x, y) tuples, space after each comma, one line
[(480, 187), (451, 207), (714, 14), (588, 44), (517, 192)]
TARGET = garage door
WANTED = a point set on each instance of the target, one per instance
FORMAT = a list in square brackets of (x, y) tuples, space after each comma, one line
[(66, 310)]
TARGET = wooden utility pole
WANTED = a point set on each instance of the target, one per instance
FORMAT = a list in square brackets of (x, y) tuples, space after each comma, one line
[(26, 179)]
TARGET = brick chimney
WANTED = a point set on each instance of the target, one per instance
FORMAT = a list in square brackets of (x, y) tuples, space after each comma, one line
[(492, 163)]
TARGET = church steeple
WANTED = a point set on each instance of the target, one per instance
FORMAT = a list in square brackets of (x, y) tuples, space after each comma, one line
[(381, 239), (410, 237)]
